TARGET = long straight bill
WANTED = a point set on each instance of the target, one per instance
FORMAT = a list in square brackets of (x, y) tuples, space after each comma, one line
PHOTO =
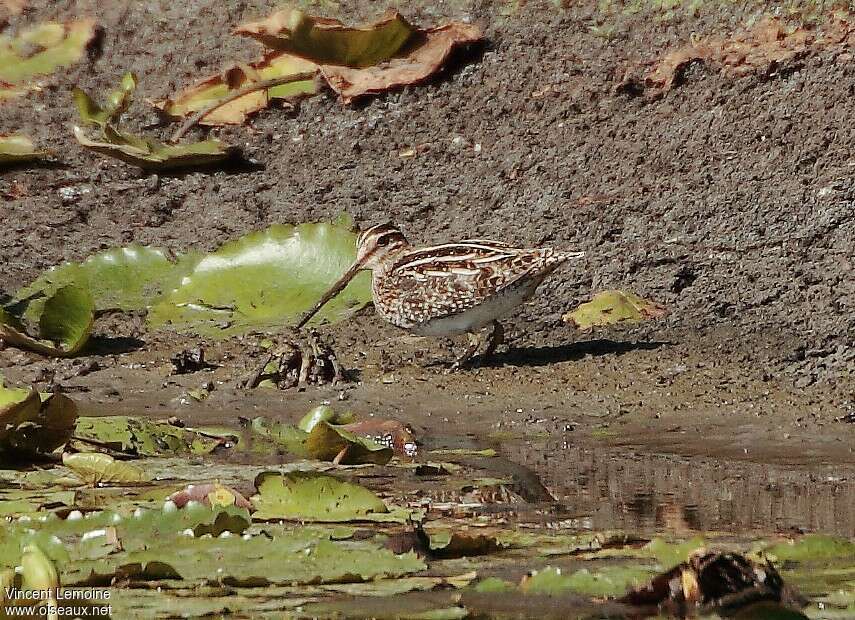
[(335, 290)]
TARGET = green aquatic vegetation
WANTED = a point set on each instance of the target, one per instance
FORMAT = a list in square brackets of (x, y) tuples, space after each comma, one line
[(64, 321), (607, 581), (31, 426), (141, 437), (126, 278), (313, 496), (264, 280)]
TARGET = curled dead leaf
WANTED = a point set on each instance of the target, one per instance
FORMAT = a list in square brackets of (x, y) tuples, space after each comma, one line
[(216, 88), (329, 41), (426, 53)]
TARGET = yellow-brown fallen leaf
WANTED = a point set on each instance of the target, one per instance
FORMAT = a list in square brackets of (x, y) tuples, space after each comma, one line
[(423, 57), (217, 87), (328, 41), (154, 155), (759, 49), (355, 61), (16, 149), (41, 50), (609, 307)]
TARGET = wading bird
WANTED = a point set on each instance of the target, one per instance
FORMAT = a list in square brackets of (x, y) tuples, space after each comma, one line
[(448, 289)]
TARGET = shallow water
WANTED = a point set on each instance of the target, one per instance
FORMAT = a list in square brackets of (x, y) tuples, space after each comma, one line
[(626, 488)]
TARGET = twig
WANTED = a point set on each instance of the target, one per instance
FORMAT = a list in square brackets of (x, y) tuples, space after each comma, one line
[(241, 92), (253, 380)]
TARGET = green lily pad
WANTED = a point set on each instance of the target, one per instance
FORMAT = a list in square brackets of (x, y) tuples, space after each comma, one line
[(275, 436), (97, 468), (814, 548), (41, 50), (142, 437), (610, 307), (323, 413), (65, 321), (327, 41), (608, 581), (328, 442), (294, 558), (265, 279), (30, 426), (126, 278), (312, 496), (18, 149)]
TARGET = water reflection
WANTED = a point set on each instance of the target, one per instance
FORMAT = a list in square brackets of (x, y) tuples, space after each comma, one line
[(617, 488)]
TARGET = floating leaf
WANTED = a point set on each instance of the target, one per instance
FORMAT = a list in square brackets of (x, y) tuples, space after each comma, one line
[(426, 54), (610, 307), (328, 41), (117, 102), (18, 149), (126, 278), (328, 442), (279, 435), (151, 154), (147, 153), (813, 548), (141, 437), (293, 558), (96, 468), (53, 45), (311, 496), (65, 322), (264, 280), (609, 581), (215, 88), (323, 413), (31, 426)]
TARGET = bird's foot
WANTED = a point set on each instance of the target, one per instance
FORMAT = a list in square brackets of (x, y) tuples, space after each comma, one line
[(494, 340), (474, 343)]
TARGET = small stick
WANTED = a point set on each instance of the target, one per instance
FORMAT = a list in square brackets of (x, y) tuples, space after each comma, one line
[(241, 92), (253, 380)]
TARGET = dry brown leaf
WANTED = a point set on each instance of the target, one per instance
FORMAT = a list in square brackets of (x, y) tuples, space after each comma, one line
[(426, 53), (762, 48), (328, 41), (217, 87)]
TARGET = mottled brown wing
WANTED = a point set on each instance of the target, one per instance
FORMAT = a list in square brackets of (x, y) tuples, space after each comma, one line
[(445, 280)]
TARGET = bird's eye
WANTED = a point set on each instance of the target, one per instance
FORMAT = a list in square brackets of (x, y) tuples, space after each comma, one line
[(384, 240)]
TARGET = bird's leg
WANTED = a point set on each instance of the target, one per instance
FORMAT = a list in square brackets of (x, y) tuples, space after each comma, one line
[(495, 339), (474, 343)]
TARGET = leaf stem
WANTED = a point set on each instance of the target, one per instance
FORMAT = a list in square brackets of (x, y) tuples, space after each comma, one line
[(237, 94)]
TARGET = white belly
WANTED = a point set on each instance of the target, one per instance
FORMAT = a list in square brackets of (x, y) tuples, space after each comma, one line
[(477, 317)]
